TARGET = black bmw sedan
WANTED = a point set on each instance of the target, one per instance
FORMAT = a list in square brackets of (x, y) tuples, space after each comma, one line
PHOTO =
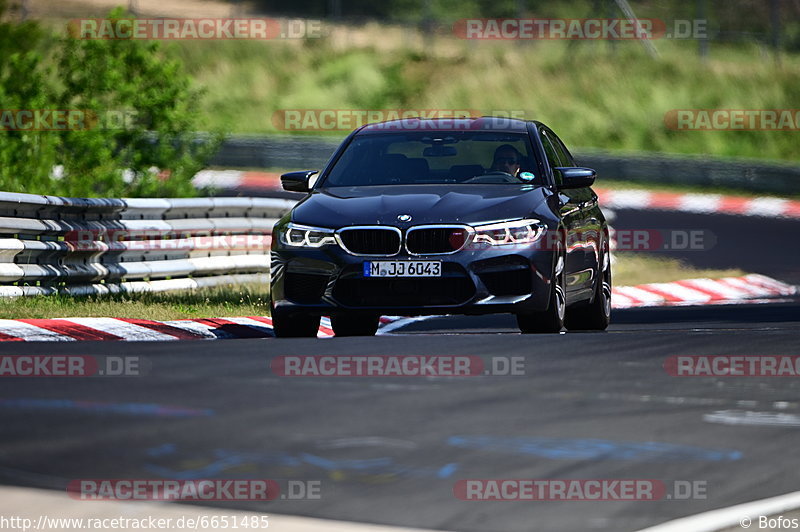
[(443, 216)]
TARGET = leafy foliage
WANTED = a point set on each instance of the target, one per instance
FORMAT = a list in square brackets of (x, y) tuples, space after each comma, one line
[(139, 115)]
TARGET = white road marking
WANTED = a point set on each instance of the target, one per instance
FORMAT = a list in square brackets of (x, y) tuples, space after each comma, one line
[(746, 417), (730, 517)]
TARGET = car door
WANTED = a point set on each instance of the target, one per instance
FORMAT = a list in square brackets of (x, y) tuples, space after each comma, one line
[(570, 210), (588, 238)]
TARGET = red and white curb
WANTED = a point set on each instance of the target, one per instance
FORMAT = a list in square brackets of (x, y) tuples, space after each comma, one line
[(747, 289), (699, 203), (752, 288), (233, 179), (610, 199), (136, 330), (125, 329)]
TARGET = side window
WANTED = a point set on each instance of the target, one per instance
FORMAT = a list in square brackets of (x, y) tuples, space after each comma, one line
[(564, 154), (553, 157)]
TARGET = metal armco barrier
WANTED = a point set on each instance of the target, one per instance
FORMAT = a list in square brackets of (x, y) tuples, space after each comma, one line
[(312, 152), (51, 244), (755, 176), (297, 152)]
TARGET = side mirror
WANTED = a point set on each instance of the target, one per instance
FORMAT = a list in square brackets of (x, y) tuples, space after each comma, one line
[(297, 181), (575, 176)]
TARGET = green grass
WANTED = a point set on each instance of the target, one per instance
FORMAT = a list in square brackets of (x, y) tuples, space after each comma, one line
[(590, 96), (242, 300), (253, 300), (637, 268)]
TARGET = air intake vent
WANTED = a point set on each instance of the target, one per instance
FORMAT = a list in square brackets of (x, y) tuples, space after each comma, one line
[(435, 240), (376, 241)]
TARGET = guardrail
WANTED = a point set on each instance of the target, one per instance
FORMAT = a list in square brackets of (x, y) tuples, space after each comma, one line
[(78, 246), (301, 152)]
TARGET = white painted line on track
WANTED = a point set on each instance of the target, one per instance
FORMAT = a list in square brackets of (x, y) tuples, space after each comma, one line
[(732, 516), (747, 417)]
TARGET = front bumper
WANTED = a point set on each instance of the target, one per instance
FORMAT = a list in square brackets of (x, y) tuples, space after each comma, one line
[(328, 280)]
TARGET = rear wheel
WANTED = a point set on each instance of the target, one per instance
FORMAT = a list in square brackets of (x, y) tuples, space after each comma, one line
[(294, 325), (355, 324), (596, 315), (552, 319)]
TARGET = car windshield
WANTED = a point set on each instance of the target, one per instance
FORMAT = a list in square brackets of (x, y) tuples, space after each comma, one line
[(435, 158)]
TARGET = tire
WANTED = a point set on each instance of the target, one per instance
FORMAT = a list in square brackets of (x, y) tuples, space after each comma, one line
[(596, 315), (354, 324), (294, 326), (552, 319)]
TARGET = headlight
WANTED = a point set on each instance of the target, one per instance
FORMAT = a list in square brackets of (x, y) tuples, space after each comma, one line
[(305, 236), (508, 233)]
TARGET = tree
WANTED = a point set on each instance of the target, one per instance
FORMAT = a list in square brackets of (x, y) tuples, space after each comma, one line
[(139, 115)]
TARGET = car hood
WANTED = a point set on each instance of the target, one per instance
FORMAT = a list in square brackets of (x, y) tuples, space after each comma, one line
[(344, 206)]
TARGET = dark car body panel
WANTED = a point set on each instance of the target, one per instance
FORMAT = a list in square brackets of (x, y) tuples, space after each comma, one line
[(380, 205)]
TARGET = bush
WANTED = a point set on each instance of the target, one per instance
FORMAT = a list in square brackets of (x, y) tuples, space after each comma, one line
[(139, 112), (26, 157)]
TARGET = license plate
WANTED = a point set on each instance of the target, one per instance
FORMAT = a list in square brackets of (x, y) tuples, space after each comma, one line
[(403, 268)]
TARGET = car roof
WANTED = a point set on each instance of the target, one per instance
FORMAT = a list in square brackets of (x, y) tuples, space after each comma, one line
[(484, 123)]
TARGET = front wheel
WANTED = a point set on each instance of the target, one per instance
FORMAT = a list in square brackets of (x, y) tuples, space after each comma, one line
[(596, 315), (354, 324), (552, 319)]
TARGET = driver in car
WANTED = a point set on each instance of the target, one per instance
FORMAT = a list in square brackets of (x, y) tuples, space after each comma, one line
[(506, 159)]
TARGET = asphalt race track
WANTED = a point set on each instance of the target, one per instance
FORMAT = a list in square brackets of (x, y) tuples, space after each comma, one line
[(389, 450)]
